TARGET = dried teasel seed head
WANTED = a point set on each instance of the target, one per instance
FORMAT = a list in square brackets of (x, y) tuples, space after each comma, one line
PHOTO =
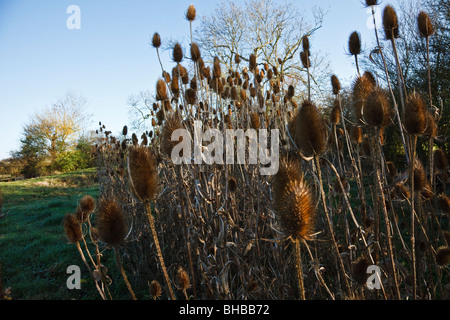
[(377, 109), (175, 86), (255, 120), (359, 268), (444, 203), (177, 53), (390, 23), (217, 71), (232, 184), (420, 176), (361, 88), (156, 40), (252, 62), (305, 59), (161, 90), (290, 92), (155, 289), (195, 52), (111, 221), (191, 96), (305, 43), (237, 58), (85, 207), (173, 122), (293, 201), (443, 256), (335, 84), (356, 134), (72, 228), (335, 114), (191, 13), (415, 120), (371, 3), (440, 160), (143, 173), (431, 128), (182, 279), (402, 191), (354, 43), (426, 28), (311, 132)]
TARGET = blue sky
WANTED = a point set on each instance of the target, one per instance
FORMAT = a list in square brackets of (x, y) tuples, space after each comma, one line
[(110, 58)]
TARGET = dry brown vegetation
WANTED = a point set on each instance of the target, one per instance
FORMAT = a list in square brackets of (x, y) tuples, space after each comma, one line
[(336, 206)]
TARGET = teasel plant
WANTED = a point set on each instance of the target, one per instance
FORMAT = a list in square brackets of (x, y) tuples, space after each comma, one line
[(144, 182), (112, 230), (379, 49), (295, 210), (74, 234), (415, 124)]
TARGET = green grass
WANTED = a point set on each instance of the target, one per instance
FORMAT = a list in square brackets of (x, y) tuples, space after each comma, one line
[(34, 252)]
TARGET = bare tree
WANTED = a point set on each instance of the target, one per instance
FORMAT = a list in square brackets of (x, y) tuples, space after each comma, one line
[(273, 32)]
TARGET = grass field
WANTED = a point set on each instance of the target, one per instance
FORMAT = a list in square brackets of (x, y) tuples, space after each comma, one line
[(34, 252)]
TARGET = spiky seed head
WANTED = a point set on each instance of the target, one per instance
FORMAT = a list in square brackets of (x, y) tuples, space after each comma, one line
[(182, 279), (173, 122), (377, 109), (359, 268), (155, 289), (335, 84), (252, 62), (369, 76), (356, 134), (426, 28), (255, 120), (175, 86), (402, 191), (161, 90), (72, 228), (195, 52), (311, 132), (85, 207), (232, 184), (335, 114), (217, 71), (191, 96), (237, 58), (143, 173), (177, 53), (293, 201), (390, 23), (415, 120), (156, 40), (443, 256), (371, 3), (111, 221), (305, 59), (444, 203), (354, 43), (361, 88), (431, 128), (305, 43), (420, 176), (191, 13), (291, 91), (440, 160)]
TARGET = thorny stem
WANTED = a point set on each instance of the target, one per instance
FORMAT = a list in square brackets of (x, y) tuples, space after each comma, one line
[(122, 272), (158, 248), (330, 228), (102, 294), (413, 242), (298, 266)]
